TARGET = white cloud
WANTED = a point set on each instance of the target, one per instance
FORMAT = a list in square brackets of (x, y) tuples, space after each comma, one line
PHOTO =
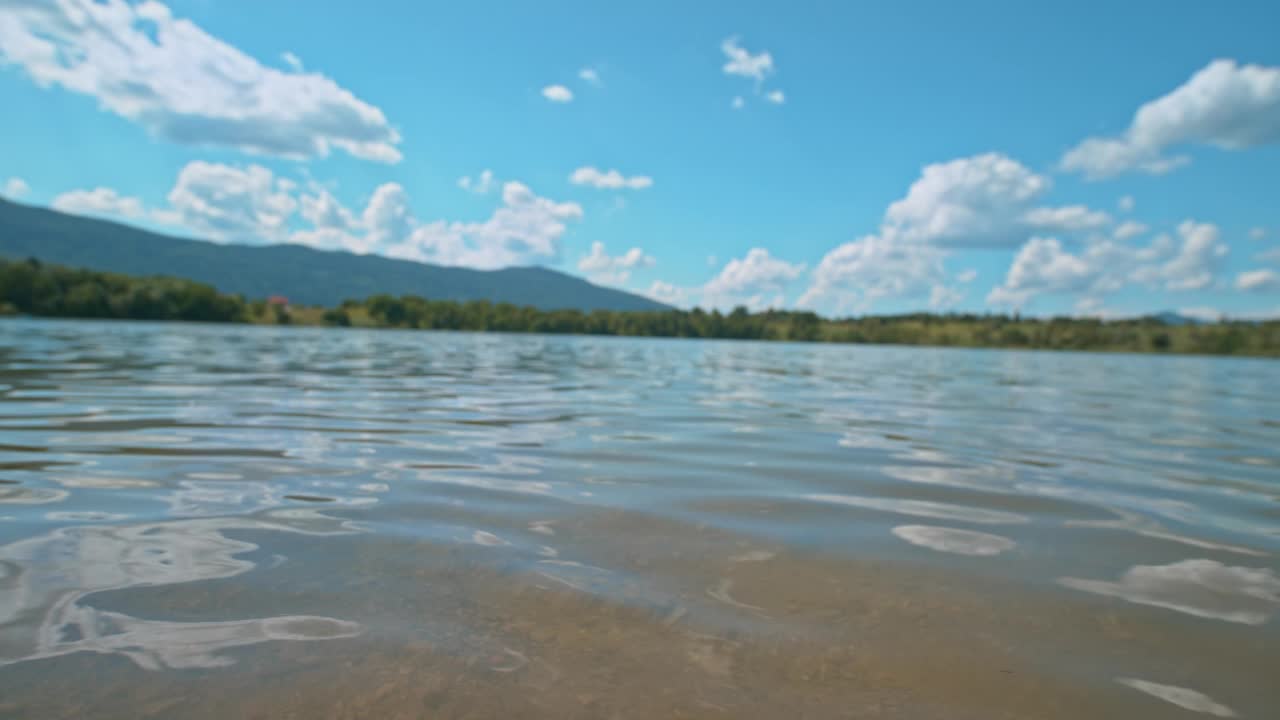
[(186, 86), (757, 281), (776, 97), (1203, 313), (589, 75), (966, 276), (737, 103), (1209, 314), (230, 203), (250, 204), (987, 200), (1129, 229), (1226, 105), (388, 220), (480, 184), (742, 63), (323, 210), (611, 180), (973, 202), (1126, 203), (14, 188), (1257, 233), (1091, 307), (1194, 264), (1272, 255), (1042, 266), (943, 297), (1258, 280), (293, 61), (667, 293), (1066, 219), (101, 202), (604, 269), (853, 276), (557, 93), (526, 229)]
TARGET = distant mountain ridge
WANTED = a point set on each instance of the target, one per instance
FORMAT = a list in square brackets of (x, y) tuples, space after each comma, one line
[(302, 274), (1169, 317)]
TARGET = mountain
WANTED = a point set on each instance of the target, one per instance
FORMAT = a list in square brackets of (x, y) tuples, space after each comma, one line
[(1169, 317), (304, 275)]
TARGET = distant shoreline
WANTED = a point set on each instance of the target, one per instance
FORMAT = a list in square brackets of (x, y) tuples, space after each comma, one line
[(51, 291)]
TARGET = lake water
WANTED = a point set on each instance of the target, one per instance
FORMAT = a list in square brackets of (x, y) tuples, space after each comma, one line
[(284, 522)]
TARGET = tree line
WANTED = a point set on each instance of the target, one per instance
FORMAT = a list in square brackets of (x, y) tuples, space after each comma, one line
[(30, 287)]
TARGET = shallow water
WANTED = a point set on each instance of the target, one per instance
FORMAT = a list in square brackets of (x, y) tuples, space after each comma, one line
[(259, 522)]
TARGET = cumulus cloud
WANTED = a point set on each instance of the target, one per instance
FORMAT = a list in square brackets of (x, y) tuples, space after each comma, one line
[(1192, 265), (480, 184), (229, 203), (1043, 266), (14, 188), (1129, 229), (525, 229), (983, 201), (667, 293), (1202, 312), (1211, 314), (943, 297), (1066, 219), (757, 281), (1225, 105), (557, 93), (185, 85), (1091, 307), (741, 62), (973, 201), (99, 202), (853, 276), (250, 204), (606, 269), (610, 180), (775, 96), (322, 210), (1258, 280)]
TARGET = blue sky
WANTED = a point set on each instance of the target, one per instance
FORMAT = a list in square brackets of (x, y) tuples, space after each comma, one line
[(1083, 158)]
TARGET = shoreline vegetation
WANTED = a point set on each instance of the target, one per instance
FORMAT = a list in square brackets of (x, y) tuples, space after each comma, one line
[(29, 287)]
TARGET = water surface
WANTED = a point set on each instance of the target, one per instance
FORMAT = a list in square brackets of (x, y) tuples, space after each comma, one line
[(215, 521)]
